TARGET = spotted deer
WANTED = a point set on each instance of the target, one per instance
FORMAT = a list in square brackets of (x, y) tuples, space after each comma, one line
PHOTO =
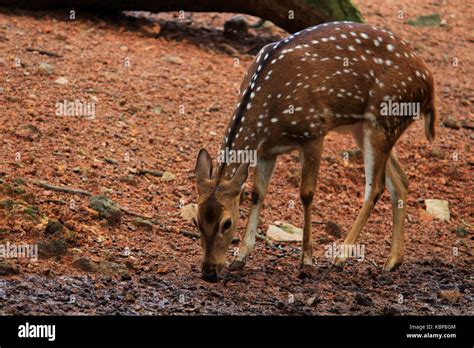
[(332, 77)]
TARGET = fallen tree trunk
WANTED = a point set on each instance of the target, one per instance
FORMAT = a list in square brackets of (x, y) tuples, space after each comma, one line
[(291, 15)]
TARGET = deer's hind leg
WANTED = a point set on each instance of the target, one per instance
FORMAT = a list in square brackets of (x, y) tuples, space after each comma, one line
[(310, 160), (397, 184), (376, 147)]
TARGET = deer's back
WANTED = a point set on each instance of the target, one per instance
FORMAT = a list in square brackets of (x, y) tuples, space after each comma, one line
[(333, 75)]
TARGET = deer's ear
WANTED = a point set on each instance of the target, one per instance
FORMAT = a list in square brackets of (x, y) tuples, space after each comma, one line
[(240, 176), (203, 169)]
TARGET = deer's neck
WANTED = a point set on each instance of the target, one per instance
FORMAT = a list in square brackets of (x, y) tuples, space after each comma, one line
[(246, 131), (239, 145)]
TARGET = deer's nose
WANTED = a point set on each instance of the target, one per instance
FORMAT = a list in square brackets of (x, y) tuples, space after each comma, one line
[(209, 273)]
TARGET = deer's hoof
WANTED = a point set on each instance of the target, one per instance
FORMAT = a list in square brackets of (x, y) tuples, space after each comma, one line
[(236, 265), (338, 264), (392, 264), (306, 271)]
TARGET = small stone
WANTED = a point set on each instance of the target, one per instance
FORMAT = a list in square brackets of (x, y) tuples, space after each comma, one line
[(129, 297), (52, 247), (129, 179), (451, 123), (85, 264), (112, 268), (438, 209), (284, 232), (19, 181), (157, 110), (189, 212), (144, 223), (363, 300), (45, 69), (173, 59), (313, 301), (168, 176), (61, 81), (437, 152), (106, 208), (53, 227)]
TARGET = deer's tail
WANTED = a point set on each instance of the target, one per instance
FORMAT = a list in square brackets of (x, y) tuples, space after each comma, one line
[(431, 116)]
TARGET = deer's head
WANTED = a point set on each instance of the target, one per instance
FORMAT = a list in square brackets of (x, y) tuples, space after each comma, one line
[(217, 213)]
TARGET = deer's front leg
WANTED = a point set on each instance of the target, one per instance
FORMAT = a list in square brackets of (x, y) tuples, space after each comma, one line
[(310, 160), (261, 178)]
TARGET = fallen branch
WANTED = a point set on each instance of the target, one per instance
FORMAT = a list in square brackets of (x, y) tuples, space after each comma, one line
[(48, 186), (308, 12), (46, 53)]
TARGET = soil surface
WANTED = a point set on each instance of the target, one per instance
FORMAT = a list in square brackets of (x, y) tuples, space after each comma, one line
[(164, 87)]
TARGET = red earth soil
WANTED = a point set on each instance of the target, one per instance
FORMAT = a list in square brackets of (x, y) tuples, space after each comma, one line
[(163, 89)]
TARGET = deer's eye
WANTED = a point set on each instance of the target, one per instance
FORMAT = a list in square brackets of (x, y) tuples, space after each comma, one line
[(226, 224)]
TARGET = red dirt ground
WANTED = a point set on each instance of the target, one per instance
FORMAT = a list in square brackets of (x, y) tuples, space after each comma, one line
[(156, 114)]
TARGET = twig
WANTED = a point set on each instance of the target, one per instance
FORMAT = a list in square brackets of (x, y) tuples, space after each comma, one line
[(110, 161), (92, 90), (265, 303), (16, 164), (373, 263), (151, 172), (264, 238), (56, 201), (47, 53), (131, 212), (48, 186), (189, 234)]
